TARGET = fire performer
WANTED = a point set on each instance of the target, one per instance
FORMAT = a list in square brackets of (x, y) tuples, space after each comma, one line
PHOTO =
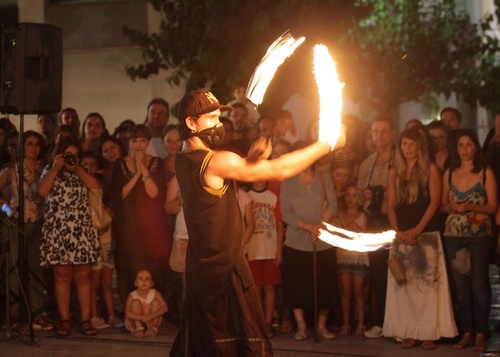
[(222, 312)]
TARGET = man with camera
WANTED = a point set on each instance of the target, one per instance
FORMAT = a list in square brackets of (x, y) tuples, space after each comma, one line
[(372, 181)]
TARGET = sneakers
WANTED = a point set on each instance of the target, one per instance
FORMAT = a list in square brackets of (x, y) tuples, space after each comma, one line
[(98, 323), (42, 323), (374, 332), (327, 334), (301, 335)]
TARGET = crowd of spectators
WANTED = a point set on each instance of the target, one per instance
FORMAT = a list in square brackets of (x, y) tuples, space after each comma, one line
[(434, 185)]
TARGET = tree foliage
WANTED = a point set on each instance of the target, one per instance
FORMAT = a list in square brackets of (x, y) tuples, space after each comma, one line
[(214, 42), (388, 51), (407, 49)]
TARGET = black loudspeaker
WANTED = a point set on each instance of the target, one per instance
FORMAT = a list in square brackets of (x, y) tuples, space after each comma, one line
[(31, 69)]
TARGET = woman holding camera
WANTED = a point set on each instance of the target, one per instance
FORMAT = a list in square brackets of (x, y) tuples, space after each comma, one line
[(420, 308), (69, 242), (469, 198)]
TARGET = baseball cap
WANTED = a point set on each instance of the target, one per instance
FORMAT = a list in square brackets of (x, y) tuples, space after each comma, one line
[(198, 102)]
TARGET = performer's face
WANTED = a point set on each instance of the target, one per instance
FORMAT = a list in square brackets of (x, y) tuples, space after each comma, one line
[(208, 120)]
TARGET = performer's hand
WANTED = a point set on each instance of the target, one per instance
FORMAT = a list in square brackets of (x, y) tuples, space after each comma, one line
[(260, 150)]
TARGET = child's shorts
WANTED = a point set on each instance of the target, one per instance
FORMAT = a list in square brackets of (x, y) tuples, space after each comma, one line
[(355, 269), (107, 258), (265, 272)]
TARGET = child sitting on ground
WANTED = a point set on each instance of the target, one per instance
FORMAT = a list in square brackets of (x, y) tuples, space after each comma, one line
[(145, 307)]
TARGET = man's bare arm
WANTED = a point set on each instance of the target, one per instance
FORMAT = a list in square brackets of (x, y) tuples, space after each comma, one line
[(227, 165)]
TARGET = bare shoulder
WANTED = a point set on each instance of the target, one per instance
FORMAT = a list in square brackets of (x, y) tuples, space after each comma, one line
[(222, 161), (433, 169)]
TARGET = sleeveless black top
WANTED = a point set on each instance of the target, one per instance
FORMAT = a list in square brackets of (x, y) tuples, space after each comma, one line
[(215, 228), (409, 215)]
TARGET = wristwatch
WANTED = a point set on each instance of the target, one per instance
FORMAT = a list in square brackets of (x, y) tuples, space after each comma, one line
[(144, 178)]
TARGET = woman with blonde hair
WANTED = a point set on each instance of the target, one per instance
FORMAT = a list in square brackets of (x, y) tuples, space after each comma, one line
[(421, 308)]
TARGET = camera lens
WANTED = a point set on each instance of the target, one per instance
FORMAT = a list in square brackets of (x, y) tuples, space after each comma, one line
[(69, 159)]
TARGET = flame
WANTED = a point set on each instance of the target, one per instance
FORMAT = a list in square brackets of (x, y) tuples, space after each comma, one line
[(330, 95), (276, 54), (330, 104), (354, 241)]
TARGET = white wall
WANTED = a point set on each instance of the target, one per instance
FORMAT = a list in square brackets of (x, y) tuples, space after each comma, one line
[(95, 81), (94, 78)]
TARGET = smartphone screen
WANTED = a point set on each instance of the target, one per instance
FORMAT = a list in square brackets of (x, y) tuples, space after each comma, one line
[(7, 210)]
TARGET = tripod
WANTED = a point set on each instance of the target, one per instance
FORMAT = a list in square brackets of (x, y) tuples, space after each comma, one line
[(11, 297)]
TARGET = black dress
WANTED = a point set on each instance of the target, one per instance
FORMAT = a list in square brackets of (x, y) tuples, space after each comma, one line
[(140, 227)]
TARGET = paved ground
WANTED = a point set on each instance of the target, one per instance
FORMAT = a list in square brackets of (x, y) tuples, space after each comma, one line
[(120, 343)]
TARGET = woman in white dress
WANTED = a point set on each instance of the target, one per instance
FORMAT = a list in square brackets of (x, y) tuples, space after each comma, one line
[(420, 309)]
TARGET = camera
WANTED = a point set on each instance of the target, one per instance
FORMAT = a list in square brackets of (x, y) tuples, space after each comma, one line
[(377, 198), (7, 210), (70, 159)]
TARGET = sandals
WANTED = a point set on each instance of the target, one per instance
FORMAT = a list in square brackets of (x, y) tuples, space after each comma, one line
[(429, 345), (64, 328), (345, 330), (410, 343), (480, 343), (139, 332), (465, 341), (151, 332), (360, 330), (87, 329)]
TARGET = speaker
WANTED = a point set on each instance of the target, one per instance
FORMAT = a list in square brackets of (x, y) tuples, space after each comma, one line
[(31, 69)]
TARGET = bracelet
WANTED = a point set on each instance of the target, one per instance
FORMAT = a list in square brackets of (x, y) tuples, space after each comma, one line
[(144, 178)]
